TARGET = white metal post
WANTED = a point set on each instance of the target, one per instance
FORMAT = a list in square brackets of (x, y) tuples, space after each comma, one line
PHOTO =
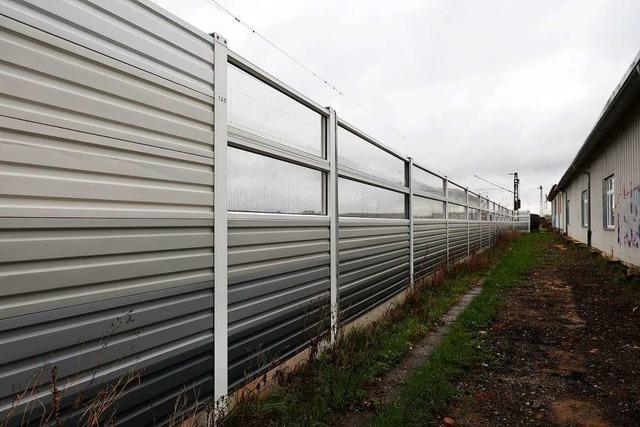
[(410, 183), (332, 211), (446, 214), (468, 228), (221, 204), (481, 224)]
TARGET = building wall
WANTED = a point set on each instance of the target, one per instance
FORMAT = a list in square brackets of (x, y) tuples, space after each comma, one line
[(620, 156)]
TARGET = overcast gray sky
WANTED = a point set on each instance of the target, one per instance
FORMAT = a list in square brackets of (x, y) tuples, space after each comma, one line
[(485, 87)]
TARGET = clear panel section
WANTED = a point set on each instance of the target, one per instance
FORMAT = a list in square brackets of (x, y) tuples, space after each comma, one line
[(457, 194), (474, 214), (427, 208), (362, 200), (262, 184), (423, 180), (474, 200), (457, 211), (359, 154), (258, 108), (484, 203)]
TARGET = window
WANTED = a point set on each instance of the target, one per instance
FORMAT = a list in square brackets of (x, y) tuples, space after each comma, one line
[(263, 184), (474, 200), (368, 201), (474, 214), (424, 208), (425, 181), (584, 211), (359, 154), (258, 108), (457, 194), (457, 211), (609, 202)]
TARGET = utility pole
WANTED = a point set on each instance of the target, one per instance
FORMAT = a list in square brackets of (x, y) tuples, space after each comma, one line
[(516, 196), (541, 205)]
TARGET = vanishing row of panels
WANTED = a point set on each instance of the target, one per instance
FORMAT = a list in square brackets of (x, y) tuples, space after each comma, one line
[(115, 296), (106, 222)]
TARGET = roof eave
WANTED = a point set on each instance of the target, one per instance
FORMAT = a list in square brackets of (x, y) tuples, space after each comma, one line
[(627, 92)]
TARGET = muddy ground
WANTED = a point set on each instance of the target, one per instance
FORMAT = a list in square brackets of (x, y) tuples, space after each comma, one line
[(563, 350)]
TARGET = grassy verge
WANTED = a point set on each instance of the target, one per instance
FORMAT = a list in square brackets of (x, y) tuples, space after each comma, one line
[(426, 393), (330, 384)]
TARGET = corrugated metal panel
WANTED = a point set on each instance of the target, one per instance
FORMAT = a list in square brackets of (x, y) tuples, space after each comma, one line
[(135, 32), (475, 236), (430, 245), (94, 343), (278, 287), (106, 216), (457, 240), (486, 236), (373, 263), (49, 80), (618, 155)]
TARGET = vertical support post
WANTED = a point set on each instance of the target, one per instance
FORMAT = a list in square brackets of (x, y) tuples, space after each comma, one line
[(481, 223), (332, 211), (410, 183), (446, 214), (466, 190), (220, 223)]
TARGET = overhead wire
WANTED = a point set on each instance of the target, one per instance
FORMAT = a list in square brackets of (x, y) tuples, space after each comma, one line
[(324, 81)]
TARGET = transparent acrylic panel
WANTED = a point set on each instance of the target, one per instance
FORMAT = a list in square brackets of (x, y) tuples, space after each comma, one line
[(424, 208), (457, 211), (423, 180), (474, 214), (357, 153), (483, 216), (457, 194), (474, 200), (262, 184), (484, 203), (368, 201), (255, 107)]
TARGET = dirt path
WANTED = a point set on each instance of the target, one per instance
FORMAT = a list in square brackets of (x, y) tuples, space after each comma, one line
[(564, 350), (382, 391)]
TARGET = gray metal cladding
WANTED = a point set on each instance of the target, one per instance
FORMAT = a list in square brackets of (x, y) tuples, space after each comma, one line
[(494, 232), (457, 240), (486, 233), (97, 343), (373, 262), (430, 245), (106, 204), (135, 32), (64, 84), (475, 236), (278, 288)]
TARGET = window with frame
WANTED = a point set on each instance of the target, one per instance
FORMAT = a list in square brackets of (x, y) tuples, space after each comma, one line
[(259, 183), (609, 202), (457, 211), (584, 211), (357, 199)]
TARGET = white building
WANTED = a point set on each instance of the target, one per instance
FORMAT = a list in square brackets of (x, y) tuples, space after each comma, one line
[(597, 200)]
